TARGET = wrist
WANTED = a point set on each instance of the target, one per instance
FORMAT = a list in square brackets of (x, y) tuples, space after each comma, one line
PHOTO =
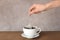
[(52, 4), (48, 6)]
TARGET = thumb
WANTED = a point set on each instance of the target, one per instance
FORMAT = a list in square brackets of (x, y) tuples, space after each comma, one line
[(32, 12)]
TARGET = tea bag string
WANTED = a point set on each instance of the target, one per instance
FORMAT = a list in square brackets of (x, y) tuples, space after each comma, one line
[(30, 21)]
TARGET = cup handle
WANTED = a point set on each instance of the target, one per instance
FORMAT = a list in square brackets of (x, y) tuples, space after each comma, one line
[(38, 29)]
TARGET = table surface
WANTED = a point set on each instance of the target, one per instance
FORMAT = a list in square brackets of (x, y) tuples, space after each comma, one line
[(16, 35)]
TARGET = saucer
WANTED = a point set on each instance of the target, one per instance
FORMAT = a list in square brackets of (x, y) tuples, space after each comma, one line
[(23, 35)]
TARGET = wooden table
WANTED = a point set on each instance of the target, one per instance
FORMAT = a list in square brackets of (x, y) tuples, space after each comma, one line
[(17, 36)]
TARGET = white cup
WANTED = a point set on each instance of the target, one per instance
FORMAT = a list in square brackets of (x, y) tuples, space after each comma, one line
[(31, 32)]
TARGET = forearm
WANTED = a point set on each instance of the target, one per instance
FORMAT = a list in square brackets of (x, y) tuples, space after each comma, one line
[(53, 4)]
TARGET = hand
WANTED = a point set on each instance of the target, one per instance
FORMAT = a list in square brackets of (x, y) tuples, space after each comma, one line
[(36, 8)]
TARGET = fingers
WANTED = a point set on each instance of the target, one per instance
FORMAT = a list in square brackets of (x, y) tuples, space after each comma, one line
[(31, 9), (33, 12)]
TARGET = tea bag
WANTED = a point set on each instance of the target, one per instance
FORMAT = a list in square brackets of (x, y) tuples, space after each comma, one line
[(29, 26)]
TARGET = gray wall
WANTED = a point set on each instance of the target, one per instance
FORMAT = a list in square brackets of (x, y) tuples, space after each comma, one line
[(14, 16)]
